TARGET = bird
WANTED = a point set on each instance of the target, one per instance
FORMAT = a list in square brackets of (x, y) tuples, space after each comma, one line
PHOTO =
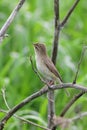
[(45, 65)]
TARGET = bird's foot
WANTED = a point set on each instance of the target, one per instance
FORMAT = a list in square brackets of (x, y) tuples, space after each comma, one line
[(50, 83)]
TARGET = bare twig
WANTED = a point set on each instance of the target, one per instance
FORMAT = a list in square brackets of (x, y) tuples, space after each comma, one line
[(10, 19), (72, 101), (61, 121), (16, 108), (79, 116), (26, 121), (36, 72), (21, 118), (34, 96), (69, 85), (64, 122), (4, 97), (57, 120), (57, 31), (79, 63), (51, 108), (69, 13), (51, 100), (34, 69)]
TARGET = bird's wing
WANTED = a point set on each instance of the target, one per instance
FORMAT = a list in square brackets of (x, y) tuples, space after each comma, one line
[(52, 67)]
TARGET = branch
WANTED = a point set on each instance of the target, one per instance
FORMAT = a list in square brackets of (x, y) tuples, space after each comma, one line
[(51, 100), (80, 61), (69, 13), (79, 116), (65, 122), (4, 98), (20, 118), (72, 101), (36, 72), (51, 108), (26, 121), (10, 19), (34, 96), (68, 85), (61, 121), (57, 31)]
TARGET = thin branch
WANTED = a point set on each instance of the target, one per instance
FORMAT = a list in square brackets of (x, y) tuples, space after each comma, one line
[(51, 100), (51, 108), (79, 116), (57, 31), (65, 122), (34, 69), (26, 121), (10, 19), (36, 72), (34, 96), (4, 98), (30, 122), (21, 118), (72, 101), (79, 63), (68, 85), (61, 121), (69, 13)]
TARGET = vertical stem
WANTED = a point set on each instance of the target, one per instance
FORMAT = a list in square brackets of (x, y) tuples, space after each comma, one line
[(51, 108), (58, 25), (51, 98), (56, 31)]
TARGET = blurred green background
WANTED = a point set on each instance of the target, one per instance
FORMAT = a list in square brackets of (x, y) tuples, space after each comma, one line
[(35, 23)]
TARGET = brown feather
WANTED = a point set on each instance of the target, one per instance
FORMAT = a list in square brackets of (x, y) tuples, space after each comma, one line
[(52, 67)]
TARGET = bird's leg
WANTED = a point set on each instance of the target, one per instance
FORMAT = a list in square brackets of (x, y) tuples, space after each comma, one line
[(51, 82)]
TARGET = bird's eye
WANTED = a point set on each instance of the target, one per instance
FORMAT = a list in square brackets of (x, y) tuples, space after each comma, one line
[(36, 47)]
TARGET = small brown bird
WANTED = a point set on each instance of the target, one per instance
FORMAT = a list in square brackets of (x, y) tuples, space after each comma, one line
[(44, 64)]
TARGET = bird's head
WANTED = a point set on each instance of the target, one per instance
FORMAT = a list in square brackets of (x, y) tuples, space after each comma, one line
[(40, 48)]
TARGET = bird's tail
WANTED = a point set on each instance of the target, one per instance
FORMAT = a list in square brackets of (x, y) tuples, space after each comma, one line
[(66, 91)]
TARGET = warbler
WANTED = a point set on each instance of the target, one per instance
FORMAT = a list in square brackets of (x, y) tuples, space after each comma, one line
[(44, 64)]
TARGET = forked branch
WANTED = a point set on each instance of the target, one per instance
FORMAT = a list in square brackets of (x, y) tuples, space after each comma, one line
[(10, 19), (69, 13), (35, 95)]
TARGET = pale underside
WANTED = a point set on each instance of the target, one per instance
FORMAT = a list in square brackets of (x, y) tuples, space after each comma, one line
[(47, 69)]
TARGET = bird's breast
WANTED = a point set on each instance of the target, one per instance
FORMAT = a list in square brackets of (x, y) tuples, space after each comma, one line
[(40, 64), (43, 69)]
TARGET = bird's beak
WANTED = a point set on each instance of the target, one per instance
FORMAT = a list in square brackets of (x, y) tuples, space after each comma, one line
[(35, 45)]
